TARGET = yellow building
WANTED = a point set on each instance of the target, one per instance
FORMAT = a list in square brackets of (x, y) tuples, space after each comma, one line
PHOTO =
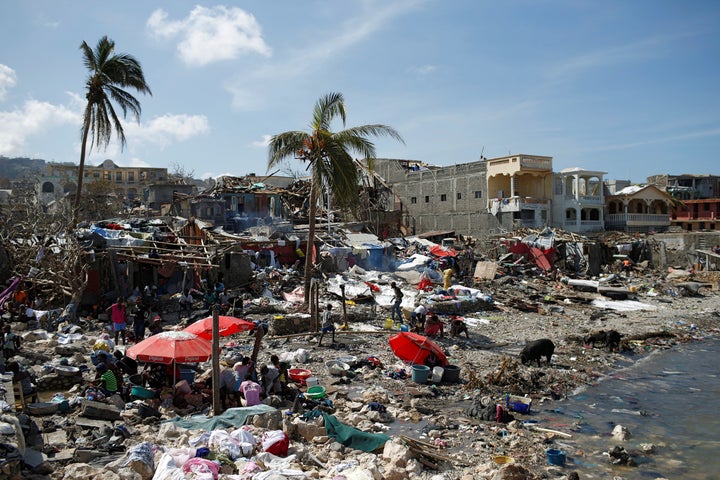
[(129, 183)]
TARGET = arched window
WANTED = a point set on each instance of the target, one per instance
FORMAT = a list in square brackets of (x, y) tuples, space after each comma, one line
[(48, 187)]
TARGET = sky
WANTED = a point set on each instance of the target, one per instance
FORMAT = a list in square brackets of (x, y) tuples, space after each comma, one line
[(627, 88)]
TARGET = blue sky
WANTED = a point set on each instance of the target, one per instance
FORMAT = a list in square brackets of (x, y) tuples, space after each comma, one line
[(629, 88)]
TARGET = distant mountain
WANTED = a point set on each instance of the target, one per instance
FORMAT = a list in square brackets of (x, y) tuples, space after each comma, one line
[(20, 167)]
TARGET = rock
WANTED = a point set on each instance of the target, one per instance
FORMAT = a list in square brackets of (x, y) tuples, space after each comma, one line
[(620, 433), (98, 410), (309, 430), (647, 447), (513, 472), (396, 453), (83, 470)]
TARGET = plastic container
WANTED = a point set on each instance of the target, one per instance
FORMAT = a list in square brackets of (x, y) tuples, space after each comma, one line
[(140, 392), (337, 368), (389, 323), (503, 459), (451, 374), (437, 374), (316, 392), (404, 328), (556, 457), (420, 373), (311, 381), (518, 404), (299, 375), (187, 374)]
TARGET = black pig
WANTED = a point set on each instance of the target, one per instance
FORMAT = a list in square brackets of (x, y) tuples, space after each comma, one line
[(609, 339), (537, 349)]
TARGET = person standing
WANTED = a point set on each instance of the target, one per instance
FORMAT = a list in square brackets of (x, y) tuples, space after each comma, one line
[(447, 278), (139, 322), (11, 342), (118, 314), (327, 324), (186, 302), (397, 301)]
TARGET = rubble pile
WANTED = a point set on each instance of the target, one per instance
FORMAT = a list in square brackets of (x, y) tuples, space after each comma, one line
[(351, 408)]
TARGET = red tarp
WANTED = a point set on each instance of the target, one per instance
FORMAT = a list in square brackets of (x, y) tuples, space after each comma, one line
[(440, 251), (413, 348)]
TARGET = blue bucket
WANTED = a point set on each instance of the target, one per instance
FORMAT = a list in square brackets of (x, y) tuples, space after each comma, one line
[(556, 457), (420, 373)]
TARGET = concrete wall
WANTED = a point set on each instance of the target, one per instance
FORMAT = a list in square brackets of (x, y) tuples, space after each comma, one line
[(447, 198)]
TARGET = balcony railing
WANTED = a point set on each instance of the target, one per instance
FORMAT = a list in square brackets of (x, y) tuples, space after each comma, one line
[(637, 219)]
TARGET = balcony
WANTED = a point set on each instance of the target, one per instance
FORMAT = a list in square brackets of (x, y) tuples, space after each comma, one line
[(637, 220), (516, 204)]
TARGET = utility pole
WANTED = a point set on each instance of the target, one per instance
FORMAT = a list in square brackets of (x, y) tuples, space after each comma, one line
[(217, 404)]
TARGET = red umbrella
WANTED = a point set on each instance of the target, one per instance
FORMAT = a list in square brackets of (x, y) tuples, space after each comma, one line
[(413, 348), (171, 346), (226, 326)]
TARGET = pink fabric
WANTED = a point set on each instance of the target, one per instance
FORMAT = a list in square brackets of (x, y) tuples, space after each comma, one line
[(118, 313), (251, 392)]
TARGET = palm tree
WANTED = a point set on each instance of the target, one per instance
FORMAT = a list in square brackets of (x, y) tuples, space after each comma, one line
[(109, 74), (328, 157)]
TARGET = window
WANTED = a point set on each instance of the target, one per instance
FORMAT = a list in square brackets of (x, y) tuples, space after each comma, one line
[(478, 193), (459, 196), (118, 176), (131, 177), (96, 174), (413, 199), (427, 198), (443, 198)]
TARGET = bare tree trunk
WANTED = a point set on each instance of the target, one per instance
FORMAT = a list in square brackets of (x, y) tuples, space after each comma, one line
[(81, 170), (311, 240)]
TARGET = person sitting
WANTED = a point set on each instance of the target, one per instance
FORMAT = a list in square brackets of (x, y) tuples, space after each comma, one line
[(127, 365), (434, 326), (23, 377), (154, 375), (250, 393), (458, 326), (269, 377), (242, 370), (107, 382), (109, 361), (228, 392)]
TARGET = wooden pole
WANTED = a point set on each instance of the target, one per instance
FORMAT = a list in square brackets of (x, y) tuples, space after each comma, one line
[(342, 291), (217, 403)]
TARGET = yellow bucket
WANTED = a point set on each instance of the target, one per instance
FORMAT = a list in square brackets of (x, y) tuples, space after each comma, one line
[(389, 323)]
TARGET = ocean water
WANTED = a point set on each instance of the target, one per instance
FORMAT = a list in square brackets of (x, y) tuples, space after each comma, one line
[(670, 399)]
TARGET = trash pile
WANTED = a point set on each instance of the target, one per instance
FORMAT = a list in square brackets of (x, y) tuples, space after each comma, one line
[(428, 369)]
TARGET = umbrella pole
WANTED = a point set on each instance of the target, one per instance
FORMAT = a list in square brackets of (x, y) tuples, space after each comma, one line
[(217, 404)]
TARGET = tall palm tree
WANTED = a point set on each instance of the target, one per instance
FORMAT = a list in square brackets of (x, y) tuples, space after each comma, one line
[(109, 74), (328, 156)]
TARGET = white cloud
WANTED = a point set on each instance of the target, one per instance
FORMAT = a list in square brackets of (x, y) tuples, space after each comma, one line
[(211, 34), (7, 80), (262, 143), (423, 69), (33, 118), (166, 129), (326, 44)]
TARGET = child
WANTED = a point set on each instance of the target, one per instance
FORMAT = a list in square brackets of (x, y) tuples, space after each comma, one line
[(327, 324)]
